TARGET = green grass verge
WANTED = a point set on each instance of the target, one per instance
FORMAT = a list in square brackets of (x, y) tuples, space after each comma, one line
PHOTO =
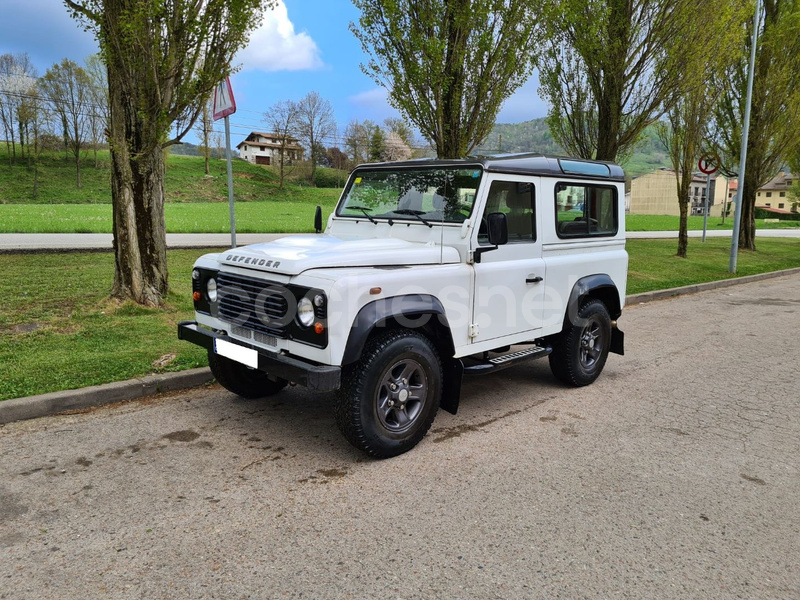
[(59, 331), (695, 223), (654, 266), (274, 216), (251, 217)]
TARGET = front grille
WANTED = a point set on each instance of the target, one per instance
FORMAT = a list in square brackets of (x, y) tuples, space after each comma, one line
[(253, 304)]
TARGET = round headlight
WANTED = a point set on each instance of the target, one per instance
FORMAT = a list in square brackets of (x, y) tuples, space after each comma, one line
[(195, 274), (211, 290), (305, 312)]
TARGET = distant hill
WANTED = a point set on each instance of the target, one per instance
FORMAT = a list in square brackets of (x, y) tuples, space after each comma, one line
[(535, 136)]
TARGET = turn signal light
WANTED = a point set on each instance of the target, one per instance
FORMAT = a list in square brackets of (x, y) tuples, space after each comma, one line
[(196, 296), (375, 291), (319, 328)]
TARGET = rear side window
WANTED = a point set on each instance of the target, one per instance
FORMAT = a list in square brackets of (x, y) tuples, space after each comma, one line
[(586, 210)]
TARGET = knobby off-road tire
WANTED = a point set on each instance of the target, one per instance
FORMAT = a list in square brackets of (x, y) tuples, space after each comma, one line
[(580, 351), (389, 398), (242, 380)]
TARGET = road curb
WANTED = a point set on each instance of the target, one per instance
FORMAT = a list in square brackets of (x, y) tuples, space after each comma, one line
[(703, 287), (32, 407)]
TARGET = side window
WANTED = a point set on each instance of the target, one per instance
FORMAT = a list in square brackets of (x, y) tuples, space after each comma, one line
[(516, 200), (584, 210)]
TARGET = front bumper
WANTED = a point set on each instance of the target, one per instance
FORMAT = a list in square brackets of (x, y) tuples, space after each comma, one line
[(322, 378)]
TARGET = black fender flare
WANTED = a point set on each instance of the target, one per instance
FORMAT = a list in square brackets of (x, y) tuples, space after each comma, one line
[(599, 285), (413, 311), (602, 287)]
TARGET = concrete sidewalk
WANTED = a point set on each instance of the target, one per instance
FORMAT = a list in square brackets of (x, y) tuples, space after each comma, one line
[(29, 242), (26, 242)]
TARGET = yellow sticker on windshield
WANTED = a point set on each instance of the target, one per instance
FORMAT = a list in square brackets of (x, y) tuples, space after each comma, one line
[(358, 180)]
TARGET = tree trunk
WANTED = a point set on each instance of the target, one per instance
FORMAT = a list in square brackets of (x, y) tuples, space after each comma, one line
[(140, 241), (35, 177), (137, 194), (747, 200), (78, 167), (313, 156), (683, 233), (453, 144)]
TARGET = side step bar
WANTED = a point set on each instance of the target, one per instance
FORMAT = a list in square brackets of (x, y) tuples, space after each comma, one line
[(479, 366)]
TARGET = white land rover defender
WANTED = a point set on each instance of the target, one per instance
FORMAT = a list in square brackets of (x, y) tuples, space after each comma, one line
[(428, 271)]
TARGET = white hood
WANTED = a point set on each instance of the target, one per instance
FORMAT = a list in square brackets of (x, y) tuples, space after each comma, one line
[(297, 253)]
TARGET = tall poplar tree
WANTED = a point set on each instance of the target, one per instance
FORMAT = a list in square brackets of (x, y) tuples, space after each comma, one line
[(775, 112), (161, 56), (718, 23), (448, 65), (610, 68)]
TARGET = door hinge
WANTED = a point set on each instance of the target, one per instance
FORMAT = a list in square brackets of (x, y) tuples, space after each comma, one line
[(473, 330)]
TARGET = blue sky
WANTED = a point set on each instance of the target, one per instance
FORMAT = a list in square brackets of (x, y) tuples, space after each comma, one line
[(302, 45)]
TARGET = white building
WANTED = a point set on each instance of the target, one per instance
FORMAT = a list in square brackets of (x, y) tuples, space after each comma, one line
[(265, 148)]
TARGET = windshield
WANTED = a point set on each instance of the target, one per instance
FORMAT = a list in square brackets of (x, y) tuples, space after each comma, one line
[(427, 195)]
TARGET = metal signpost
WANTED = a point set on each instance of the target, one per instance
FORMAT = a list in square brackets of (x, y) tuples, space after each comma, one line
[(224, 106), (737, 217), (708, 164)]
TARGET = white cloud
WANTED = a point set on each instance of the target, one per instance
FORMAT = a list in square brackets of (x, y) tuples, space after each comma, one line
[(275, 46), (372, 104), (376, 98)]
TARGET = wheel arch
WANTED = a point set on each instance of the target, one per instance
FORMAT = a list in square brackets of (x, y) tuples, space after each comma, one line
[(599, 287), (418, 312)]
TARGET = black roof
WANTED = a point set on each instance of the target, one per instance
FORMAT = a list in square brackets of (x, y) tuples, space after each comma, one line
[(522, 164)]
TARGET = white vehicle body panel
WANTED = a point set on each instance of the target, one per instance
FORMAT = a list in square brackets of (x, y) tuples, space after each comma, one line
[(488, 304)]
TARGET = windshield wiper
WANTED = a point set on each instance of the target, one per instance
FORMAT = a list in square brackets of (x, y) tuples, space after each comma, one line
[(364, 210), (413, 213)]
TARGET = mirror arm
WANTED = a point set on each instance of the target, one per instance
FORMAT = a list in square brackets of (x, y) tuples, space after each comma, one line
[(476, 254)]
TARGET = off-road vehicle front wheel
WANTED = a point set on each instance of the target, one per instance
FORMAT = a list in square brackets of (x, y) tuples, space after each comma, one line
[(580, 351), (242, 380), (389, 398)]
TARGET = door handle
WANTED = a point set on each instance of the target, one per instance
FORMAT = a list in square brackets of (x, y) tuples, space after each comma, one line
[(533, 280)]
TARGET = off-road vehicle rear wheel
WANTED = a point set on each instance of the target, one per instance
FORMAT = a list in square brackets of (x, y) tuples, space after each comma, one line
[(389, 398), (242, 380), (580, 351)]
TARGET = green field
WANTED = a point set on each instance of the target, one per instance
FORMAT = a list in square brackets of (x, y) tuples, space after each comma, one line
[(670, 223), (272, 216), (185, 181), (251, 217), (59, 331)]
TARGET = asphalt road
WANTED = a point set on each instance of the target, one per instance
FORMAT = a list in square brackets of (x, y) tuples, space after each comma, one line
[(674, 476), (16, 242)]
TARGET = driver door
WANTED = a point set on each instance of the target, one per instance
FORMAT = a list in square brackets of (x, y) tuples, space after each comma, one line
[(509, 281)]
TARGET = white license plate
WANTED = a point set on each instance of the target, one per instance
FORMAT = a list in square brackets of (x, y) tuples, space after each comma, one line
[(246, 356)]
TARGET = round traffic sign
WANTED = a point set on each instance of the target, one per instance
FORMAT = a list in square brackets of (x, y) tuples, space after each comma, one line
[(709, 163)]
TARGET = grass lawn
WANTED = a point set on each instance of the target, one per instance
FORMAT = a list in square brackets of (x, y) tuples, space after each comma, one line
[(654, 266), (670, 223), (251, 217), (58, 330), (185, 181), (272, 216)]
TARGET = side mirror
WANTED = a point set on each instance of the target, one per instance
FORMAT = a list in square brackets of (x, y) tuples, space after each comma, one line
[(497, 228), (318, 219)]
